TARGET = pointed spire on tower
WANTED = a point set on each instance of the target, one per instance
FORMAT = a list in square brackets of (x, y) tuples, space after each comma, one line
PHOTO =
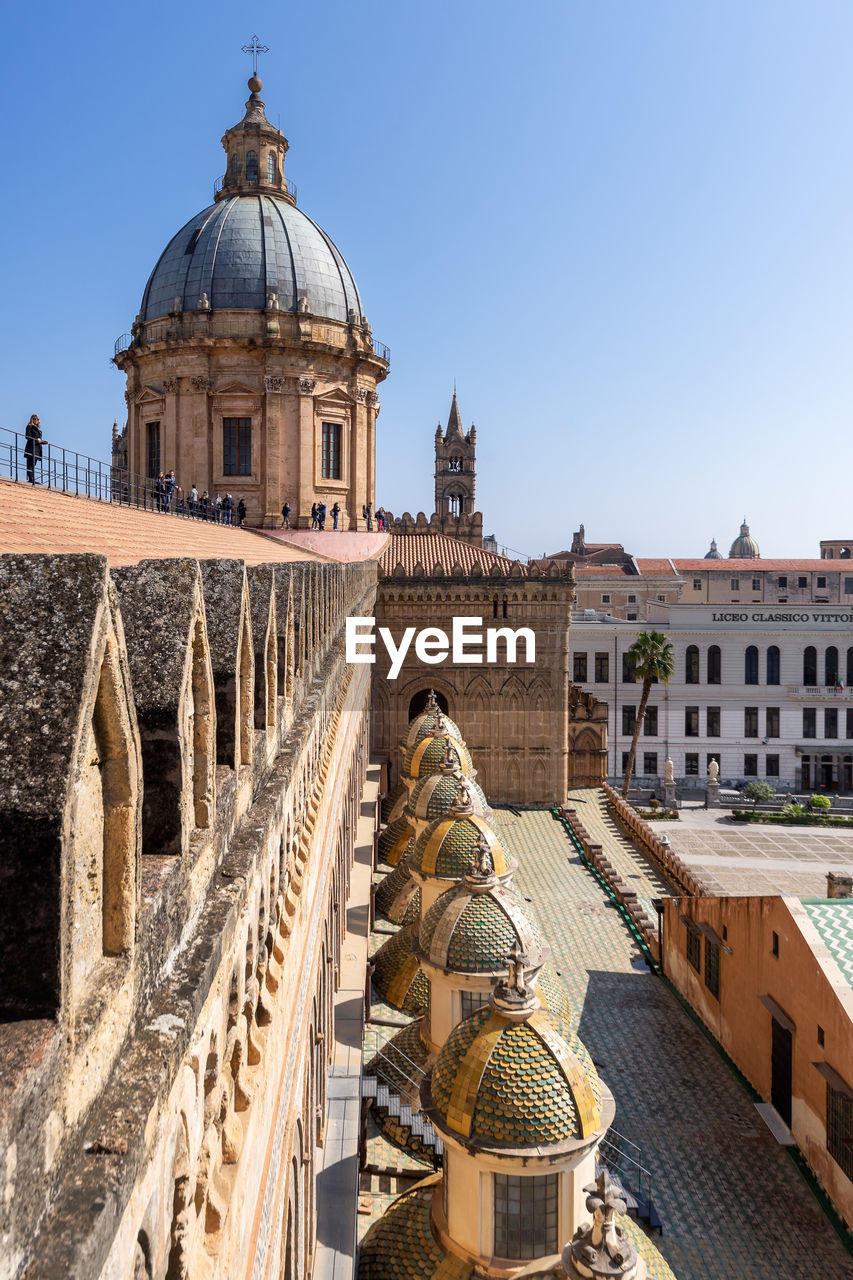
[(454, 422)]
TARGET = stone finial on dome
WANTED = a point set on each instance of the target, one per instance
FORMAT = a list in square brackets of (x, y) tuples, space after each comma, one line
[(512, 997), (463, 805), (480, 876), (451, 762), (600, 1248), (432, 707)]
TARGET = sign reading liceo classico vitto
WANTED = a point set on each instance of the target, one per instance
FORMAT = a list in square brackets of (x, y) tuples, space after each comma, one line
[(466, 644)]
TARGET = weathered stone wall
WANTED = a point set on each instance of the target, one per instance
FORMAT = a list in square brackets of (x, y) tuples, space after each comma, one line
[(167, 1010), (513, 717)]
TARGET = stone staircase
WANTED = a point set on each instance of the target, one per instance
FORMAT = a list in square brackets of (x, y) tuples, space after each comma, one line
[(401, 1123)]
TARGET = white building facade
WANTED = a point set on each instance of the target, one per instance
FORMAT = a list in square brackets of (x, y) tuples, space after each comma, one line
[(765, 689)]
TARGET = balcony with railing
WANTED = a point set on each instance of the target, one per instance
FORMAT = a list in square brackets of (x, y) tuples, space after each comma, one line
[(819, 692), (188, 325), (265, 188)]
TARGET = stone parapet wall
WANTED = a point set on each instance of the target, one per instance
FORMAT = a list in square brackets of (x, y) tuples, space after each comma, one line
[(167, 985), (660, 854)]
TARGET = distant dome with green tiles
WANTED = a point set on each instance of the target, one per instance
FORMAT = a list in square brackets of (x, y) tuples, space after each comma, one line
[(429, 754), (423, 725), (398, 976), (433, 795), (505, 1084), (469, 931), (447, 847)]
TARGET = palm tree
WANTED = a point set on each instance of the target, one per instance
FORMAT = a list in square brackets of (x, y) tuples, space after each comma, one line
[(651, 656)]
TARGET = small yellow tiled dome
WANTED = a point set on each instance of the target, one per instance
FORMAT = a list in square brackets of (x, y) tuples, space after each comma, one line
[(398, 977), (433, 795), (506, 1084), (469, 931), (446, 849)]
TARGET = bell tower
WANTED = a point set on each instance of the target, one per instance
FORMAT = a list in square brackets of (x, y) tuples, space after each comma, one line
[(455, 467)]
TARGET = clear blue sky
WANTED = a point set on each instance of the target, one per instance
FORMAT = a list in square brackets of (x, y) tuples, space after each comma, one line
[(624, 228)]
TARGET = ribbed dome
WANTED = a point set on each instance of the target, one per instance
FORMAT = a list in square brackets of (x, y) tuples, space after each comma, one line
[(532, 1091), (398, 976), (393, 840), (744, 547), (447, 848), (245, 247), (433, 795), (713, 553), (398, 897), (422, 726), (430, 753), (471, 932)]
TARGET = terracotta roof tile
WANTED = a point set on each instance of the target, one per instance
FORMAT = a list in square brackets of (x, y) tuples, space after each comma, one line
[(33, 519), (428, 549)]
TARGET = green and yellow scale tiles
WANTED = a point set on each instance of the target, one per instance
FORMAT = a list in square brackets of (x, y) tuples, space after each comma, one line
[(401, 1245), (833, 919)]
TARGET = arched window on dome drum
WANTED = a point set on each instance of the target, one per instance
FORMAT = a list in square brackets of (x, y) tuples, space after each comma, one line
[(830, 665), (715, 665), (234, 166), (251, 166), (271, 167), (691, 666), (750, 674), (810, 665), (773, 664)]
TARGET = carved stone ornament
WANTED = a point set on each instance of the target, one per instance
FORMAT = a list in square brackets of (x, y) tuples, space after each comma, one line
[(273, 384), (171, 384), (370, 399), (361, 394), (306, 386), (200, 383)]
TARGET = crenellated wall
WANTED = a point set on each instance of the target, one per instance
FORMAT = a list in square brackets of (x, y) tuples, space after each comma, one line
[(183, 752)]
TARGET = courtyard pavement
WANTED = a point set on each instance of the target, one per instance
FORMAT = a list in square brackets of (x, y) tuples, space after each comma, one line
[(737, 858), (732, 1201)]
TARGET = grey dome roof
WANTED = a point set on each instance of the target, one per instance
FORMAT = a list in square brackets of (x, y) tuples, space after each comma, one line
[(242, 249), (744, 547)]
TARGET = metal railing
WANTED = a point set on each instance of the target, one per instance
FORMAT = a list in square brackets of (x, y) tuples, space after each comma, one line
[(180, 330), (624, 1159), (272, 186), (75, 473)]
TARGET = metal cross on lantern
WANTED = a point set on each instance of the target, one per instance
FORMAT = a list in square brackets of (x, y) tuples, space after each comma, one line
[(254, 49)]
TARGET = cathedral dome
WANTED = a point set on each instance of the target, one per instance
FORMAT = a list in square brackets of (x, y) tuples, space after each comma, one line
[(430, 753), (713, 553), (433, 796), (421, 726), (744, 547), (449, 845), (471, 931), (244, 248), (398, 976), (509, 1084)]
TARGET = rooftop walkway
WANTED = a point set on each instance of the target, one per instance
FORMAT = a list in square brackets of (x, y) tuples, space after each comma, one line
[(732, 1201), (34, 520), (629, 862)]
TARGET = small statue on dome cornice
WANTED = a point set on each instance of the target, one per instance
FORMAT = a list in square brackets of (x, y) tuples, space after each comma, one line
[(600, 1249)]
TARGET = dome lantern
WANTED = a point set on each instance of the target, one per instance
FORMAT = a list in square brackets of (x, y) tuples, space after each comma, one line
[(254, 153)]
